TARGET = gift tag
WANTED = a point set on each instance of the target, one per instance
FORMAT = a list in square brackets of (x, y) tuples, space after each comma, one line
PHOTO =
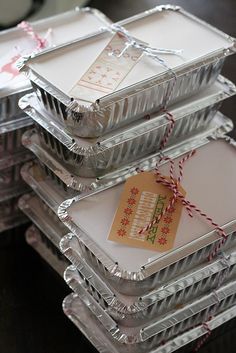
[(107, 71), (142, 200)]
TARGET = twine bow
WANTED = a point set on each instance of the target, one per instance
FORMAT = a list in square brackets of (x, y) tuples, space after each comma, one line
[(173, 185), (145, 48)]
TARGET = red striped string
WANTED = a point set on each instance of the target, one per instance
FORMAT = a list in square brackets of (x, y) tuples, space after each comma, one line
[(169, 131), (173, 185), (204, 338), (41, 42)]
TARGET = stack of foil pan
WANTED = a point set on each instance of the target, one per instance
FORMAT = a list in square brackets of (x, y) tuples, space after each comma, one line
[(65, 27), (174, 298), (86, 147), (12, 157), (107, 286), (39, 242), (91, 158), (89, 116), (87, 323), (13, 122)]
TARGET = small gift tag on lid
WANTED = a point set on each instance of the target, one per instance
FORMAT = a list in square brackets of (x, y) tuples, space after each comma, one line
[(142, 200), (108, 70)]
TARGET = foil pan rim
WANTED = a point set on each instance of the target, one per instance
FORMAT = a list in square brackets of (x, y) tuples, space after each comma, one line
[(157, 326), (87, 185), (45, 224), (152, 297), (25, 85), (168, 347), (65, 99), (16, 158), (44, 251), (110, 140), (98, 107), (15, 124), (113, 267)]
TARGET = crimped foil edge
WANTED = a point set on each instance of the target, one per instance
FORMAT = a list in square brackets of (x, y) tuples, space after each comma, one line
[(33, 238), (27, 104), (163, 323), (119, 308), (43, 220), (221, 126), (66, 100), (103, 343)]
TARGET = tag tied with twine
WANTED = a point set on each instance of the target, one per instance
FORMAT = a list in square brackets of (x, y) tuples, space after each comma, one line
[(114, 63), (141, 202)]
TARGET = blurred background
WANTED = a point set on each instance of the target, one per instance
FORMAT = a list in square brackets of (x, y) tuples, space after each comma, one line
[(31, 319)]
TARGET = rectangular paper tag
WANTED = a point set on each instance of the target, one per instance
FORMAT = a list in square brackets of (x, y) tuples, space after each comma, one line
[(142, 200), (107, 71)]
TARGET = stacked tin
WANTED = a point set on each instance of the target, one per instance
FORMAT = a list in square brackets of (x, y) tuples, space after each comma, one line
[(90, 138), (15, 43)]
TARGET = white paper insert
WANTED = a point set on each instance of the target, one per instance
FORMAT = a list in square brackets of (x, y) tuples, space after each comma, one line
[(167, 29), (209, 180), (64, 28)]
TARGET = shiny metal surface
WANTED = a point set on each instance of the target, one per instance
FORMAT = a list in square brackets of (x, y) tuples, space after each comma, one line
[(147, 338), (10, 215), (44, 218), (96, 157), (149, 275), (45, 249), (11, 133), (10, 95), (87, 323), (133, 311), (72, 183), (121, 107)]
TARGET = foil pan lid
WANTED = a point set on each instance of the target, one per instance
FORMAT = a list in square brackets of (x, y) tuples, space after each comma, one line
[(63, 28), (226, 46)]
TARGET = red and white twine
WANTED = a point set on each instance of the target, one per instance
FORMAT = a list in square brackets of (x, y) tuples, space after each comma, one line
[(41, 42), (173, 184)]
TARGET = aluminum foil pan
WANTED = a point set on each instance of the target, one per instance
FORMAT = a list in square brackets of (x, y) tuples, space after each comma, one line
[(128, 310), (8, 160), (145, 338), (96, 157), (134, 311), (133, 270), (11, 181), (89, 116), (11, 133), (45, 249), (10, 215), (65, 179), (43, 217), (49, 188), (88, 324), (64, 27)]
